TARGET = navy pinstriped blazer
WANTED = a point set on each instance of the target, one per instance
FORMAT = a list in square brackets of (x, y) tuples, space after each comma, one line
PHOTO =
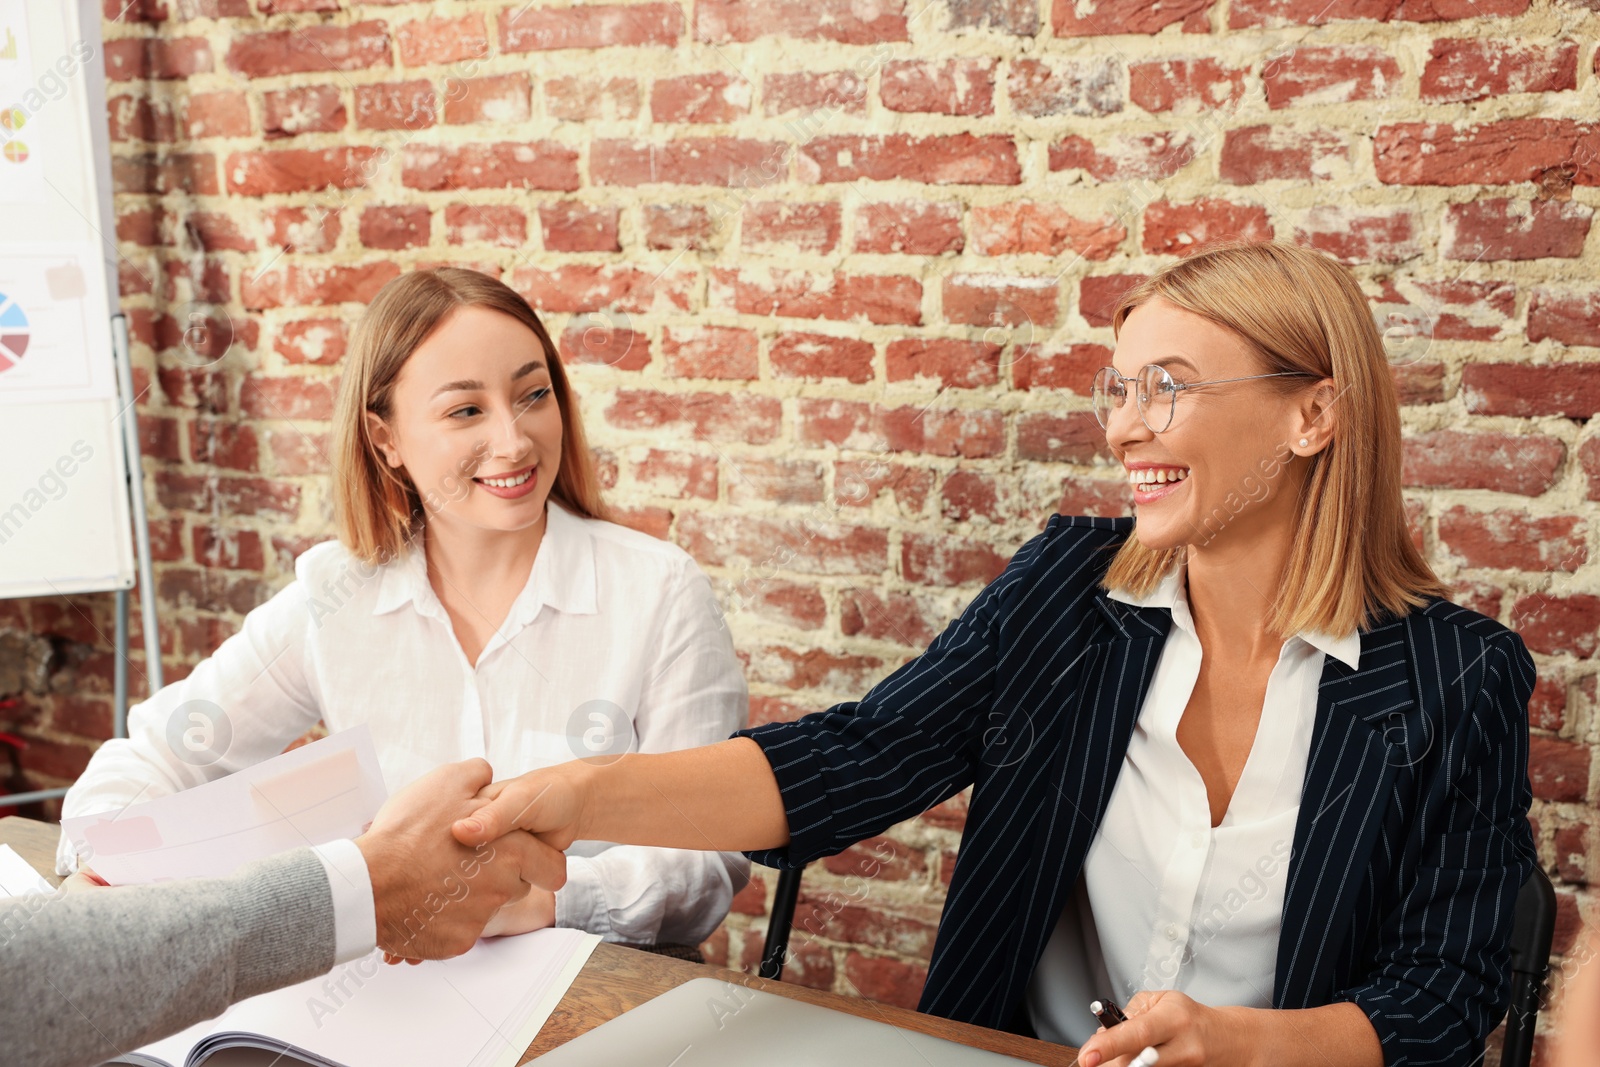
[(1412, 838)]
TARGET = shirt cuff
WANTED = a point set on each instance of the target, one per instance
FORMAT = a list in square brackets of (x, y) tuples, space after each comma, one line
[(581, 901), (355, 916)]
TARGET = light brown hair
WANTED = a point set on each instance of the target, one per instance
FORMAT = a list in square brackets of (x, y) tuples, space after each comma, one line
[(377, 508), (1351, 557)]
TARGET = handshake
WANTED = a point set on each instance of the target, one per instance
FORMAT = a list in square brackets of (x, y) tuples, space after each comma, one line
[(453, 857)]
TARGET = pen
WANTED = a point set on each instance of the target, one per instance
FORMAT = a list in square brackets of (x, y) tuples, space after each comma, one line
[(1147, 1058), (1108, 1014)]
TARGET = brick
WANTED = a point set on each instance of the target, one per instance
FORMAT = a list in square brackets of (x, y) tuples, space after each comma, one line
[(1100, 497), (803, 226), (946, 561), (1185, 86), (1073, 367), (803, 546), (1019, 18), (951, 87), (724, 161), (597, 341), (1589, 458), (159, 58), (668, 226), (315, 341), (224, 114), (860, 483), (817, 356), (228, 549), (136, 118), (1074, 437), (967, 434), (355, 283), (877, 298), (579, 99), (1001, 300), (1525, 464), (1419, 383), (1567, 317), (955, 364), (792, 604), (573, 226), (1502, 228), (911, 227), (528, 28), (394, 228), (830, 92), (1072, 19), (396, 106), (1495, 153), (1329, 74), (160, 438), (1514, 540), (1087, 89), (1571, 390), (1460, 70), (309, 49), (745, 419), (814, 669), (1099, 295), (1248, 13), (310, 109), (844, 21), (1469, 311), (908, 619), (676, 474), (1558, 770), (774, 480), (968, 494), (1265, 153), (1358, 236), (585, 287), (500, 225), (302, 229), (1024, 227), (504, 165), (951, 159), (434, 41), (694, 98), (502, 98), (710, 352), (194, 388), (1149, 156), (298, 170), (188, 172), (1178, 229), (264, 397)]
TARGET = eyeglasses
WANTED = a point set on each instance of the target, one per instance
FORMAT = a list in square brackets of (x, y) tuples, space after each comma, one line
[(1157, 393)]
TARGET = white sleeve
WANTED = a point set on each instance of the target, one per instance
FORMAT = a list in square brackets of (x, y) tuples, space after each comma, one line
[(355, 913), (695, 696), (241, 706)]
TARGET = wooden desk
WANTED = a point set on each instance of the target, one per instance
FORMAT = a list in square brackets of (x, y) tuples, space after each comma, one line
[(616, 979)]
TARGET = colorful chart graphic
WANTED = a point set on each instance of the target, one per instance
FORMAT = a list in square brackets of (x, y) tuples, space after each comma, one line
[(14, 333), (12, 120)]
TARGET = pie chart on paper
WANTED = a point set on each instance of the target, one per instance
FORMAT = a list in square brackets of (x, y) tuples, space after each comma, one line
[(14, 333)]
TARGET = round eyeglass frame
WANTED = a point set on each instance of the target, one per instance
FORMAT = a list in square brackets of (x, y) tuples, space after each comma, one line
[(1101, 395)]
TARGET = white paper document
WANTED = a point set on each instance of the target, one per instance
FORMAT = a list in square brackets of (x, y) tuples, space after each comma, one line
[(321, 792), (17, 876)]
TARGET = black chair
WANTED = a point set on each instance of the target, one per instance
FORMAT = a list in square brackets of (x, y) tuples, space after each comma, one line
[(784, 898), (1532, 932)]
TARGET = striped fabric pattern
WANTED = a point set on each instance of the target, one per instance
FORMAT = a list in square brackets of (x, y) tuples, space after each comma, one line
[(1409, 850)]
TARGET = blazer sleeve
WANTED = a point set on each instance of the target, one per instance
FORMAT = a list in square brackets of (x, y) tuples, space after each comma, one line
[(1441, 981), (87, 975), (913, 740)]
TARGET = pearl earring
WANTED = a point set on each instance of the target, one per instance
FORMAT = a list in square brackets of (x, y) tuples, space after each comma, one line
[(1304, 442)]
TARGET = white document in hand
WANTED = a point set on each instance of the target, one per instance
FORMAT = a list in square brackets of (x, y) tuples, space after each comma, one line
[(321, 792)]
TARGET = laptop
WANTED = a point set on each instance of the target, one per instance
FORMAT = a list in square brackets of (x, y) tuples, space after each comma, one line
[(708, 1023)]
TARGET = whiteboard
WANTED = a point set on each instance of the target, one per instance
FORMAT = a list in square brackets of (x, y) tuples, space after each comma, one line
[(64, 510)]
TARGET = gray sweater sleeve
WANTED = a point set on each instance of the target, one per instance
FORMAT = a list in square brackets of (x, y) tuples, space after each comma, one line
[(85, 976)]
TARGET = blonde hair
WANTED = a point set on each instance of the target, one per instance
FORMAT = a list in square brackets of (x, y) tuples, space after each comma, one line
[(377, 508), (1351, 558)]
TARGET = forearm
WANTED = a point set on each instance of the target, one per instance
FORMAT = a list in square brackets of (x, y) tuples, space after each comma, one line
[(720, 798), (1334, 1035)]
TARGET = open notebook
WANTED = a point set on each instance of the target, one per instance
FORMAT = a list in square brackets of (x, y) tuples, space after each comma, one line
[(481, 1009)]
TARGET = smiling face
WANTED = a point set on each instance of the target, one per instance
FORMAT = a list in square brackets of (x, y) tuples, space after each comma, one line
[(474, 423), (1228, 462)]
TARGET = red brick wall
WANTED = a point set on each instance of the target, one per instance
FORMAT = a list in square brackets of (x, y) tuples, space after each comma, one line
[(834, 274)]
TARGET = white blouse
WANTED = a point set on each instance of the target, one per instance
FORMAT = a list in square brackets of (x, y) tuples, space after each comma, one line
[(616, 643), (1166, 901)]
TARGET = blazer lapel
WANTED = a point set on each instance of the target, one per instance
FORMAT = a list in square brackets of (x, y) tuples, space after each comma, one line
[(1367, 727)]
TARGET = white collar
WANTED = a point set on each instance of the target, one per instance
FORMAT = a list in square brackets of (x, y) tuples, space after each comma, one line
[(563, 574), (1171, 593)]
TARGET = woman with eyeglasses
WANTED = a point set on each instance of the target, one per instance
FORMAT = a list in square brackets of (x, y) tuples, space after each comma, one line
[(1236, 763)]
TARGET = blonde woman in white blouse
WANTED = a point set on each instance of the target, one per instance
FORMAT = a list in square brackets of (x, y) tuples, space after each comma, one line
[(476, 603)]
